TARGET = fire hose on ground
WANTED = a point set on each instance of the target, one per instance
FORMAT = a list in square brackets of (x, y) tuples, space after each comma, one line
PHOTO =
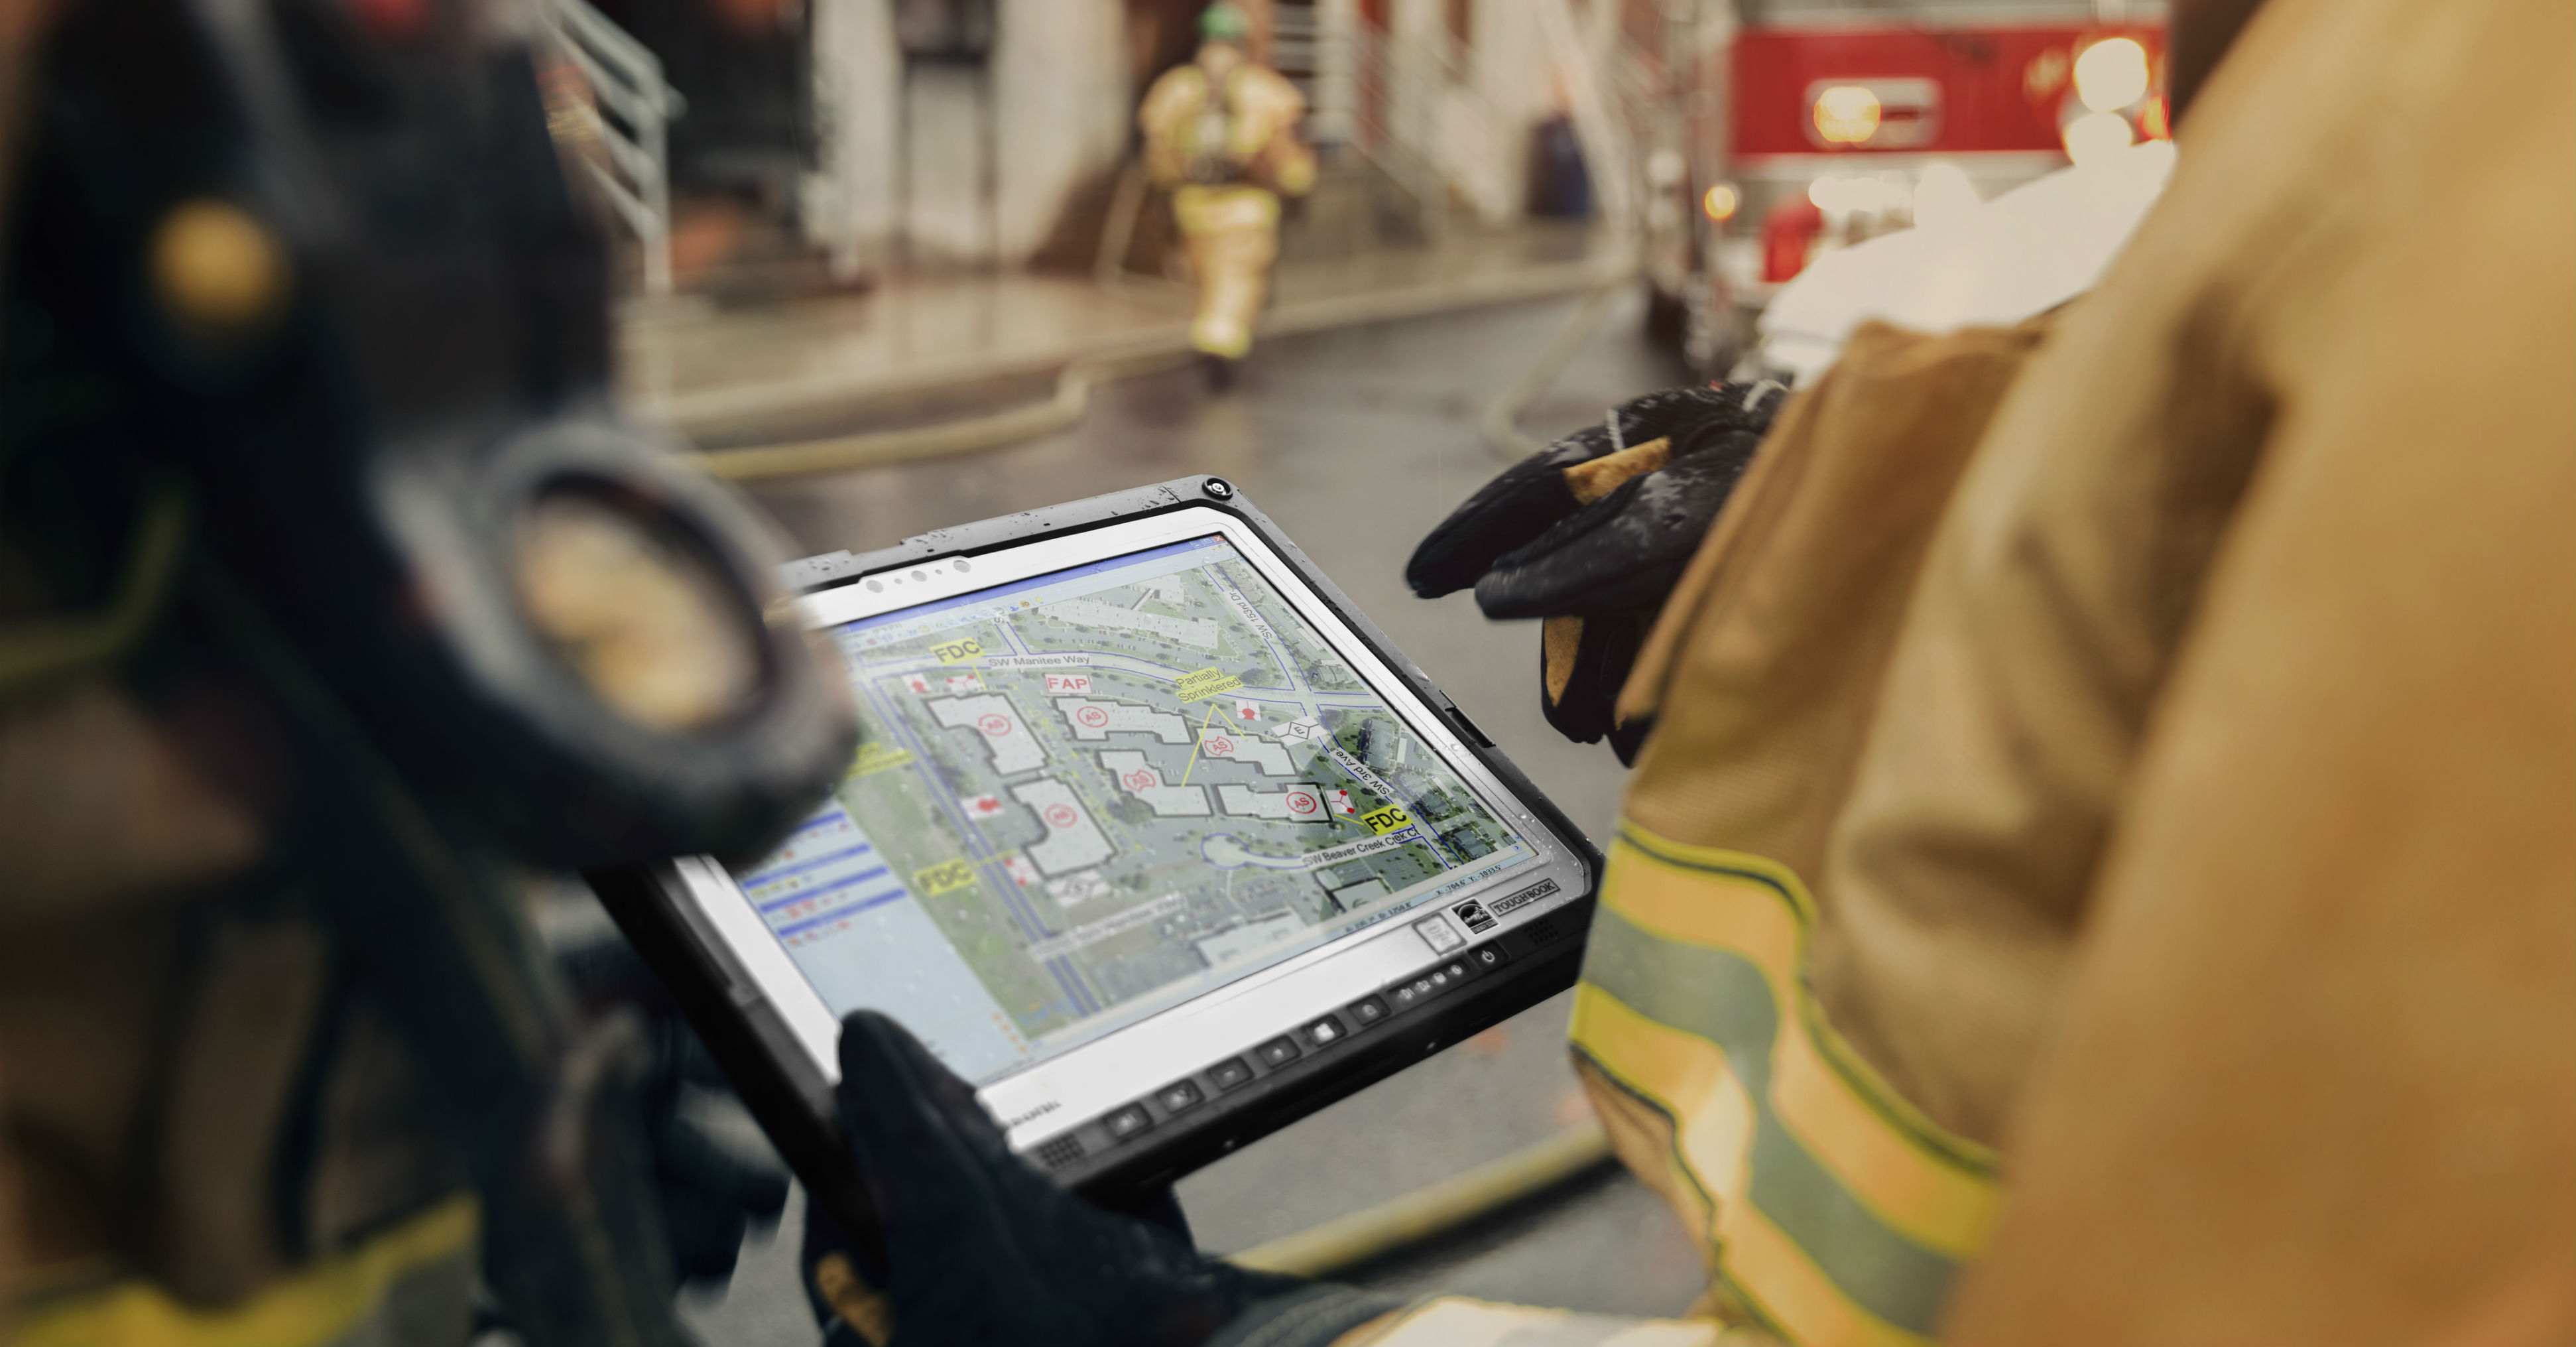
[(1428, 1213)]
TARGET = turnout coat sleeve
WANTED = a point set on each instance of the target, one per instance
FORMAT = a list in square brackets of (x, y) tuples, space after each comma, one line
[(1826, 1208), (2191, 862), (2198, 872), (2316, 1075)]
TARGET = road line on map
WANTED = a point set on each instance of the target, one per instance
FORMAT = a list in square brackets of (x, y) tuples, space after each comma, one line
[(987, 861), (1198, 746)]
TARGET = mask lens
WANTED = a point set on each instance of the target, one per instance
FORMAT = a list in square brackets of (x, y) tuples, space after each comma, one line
[(642, 618)]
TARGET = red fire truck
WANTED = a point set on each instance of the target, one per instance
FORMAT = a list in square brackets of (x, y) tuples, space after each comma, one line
[(1844, 120)]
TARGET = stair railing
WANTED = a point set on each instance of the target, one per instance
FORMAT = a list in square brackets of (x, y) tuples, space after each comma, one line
[(1403, 98), (637, 107)]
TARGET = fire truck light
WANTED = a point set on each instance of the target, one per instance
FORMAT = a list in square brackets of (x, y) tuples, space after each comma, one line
[(1720, 203), (2112, 74), (1847, 114), (2157, 121), (2095, 137)]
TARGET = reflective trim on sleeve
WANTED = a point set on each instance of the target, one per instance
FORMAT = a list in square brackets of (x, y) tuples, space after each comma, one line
[(312, 1307), (1842, 1214)]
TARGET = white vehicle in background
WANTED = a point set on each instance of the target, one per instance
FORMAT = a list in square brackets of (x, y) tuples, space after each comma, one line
[(1806, 127), (1994, 263)]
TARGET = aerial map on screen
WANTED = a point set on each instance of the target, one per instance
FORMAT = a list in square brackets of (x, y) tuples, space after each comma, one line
[(1086, 796)]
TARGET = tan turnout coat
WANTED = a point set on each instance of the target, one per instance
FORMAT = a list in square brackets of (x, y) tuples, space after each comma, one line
[(2124, 862)]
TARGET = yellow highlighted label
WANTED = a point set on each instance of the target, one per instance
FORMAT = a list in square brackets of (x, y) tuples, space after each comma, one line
[(1387, 820), (1207, 683), (959, 652), (875, 756), (943, 877)]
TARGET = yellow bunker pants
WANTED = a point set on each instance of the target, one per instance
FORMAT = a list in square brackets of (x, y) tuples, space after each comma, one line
[(1231, 236)]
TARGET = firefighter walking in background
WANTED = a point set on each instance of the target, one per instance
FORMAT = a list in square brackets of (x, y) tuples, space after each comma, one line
[(1221, 134)]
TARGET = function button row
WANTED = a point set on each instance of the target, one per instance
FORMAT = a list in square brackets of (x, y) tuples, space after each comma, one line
[(1232, 1074)]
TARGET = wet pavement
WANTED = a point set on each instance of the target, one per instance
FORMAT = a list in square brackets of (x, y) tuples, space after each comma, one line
[(1356, 441), (726, 377)]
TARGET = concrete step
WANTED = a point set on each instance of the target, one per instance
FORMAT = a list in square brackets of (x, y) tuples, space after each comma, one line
[(1355, 208), (740, 255)]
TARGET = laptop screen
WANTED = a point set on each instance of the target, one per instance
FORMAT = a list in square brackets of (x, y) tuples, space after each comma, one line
[(1087, 796)]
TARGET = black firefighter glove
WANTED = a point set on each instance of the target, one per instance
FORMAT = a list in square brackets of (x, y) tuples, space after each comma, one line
[(982, 1250), (1593, 533)]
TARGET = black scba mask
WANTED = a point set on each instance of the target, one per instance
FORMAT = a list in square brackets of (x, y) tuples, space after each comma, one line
[(313, 266)]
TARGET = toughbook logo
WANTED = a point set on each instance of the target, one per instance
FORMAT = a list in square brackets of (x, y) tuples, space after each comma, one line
[(1504, 907)]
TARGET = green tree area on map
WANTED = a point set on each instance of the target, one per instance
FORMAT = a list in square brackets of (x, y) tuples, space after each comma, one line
[(1177, 621), (904, 785), (1321, 665), (920, 844)]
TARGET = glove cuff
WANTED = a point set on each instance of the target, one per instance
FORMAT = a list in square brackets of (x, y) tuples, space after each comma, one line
[(1310, 1316)]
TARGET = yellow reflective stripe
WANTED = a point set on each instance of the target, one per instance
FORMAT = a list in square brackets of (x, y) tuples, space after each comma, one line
[(1784, 1286), (1642, 1137), (1688, 1078), (1838, 1212), (1684, 1077), (1201, 209), (1928, 1200), (1773, 915), (1456, 1321), (1722, 999), (313, 1306), (1932, 1183)]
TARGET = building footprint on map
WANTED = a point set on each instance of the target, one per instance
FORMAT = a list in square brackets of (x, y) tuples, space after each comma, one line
[(1095, 720), (1139, 778), (1073, 841), (1013, 748), (1271, 757), (1300, 803)]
